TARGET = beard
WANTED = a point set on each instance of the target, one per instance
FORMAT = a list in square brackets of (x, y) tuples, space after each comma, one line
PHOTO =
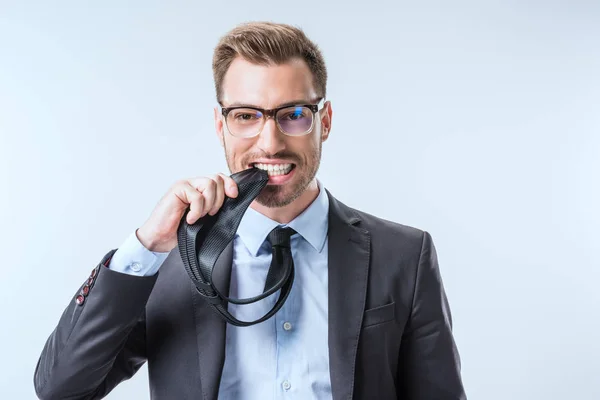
[(305, 169)]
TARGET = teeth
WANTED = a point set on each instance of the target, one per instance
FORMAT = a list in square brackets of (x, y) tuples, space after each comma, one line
[(275, 169)]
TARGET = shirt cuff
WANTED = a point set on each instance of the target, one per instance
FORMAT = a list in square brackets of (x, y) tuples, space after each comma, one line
[(133, 258)]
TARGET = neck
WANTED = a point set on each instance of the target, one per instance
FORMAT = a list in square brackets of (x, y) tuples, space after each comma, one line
[(285, 214)]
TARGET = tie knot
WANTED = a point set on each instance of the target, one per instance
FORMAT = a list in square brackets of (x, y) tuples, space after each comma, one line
[(280, 236)]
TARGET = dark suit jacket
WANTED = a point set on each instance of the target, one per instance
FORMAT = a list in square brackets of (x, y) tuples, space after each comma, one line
[(389, 324)]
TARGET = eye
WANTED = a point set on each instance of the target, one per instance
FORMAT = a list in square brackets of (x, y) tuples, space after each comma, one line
[(294, 114), (244, 115)]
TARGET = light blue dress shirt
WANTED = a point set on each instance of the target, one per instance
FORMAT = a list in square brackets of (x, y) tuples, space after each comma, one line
[(287, 356)]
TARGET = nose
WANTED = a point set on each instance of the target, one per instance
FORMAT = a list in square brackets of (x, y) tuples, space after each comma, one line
[(271, 140)]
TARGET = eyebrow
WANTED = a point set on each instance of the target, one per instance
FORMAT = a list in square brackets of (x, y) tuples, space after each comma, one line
[(289, 103)]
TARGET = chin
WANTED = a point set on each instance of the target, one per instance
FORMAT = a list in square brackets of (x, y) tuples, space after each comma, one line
[(275, 196)]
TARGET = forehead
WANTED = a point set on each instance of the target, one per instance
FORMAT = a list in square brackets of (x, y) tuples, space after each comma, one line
[(267, 86)]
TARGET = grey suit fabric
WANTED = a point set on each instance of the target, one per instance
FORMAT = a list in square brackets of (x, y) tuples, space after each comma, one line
[(390, 328)]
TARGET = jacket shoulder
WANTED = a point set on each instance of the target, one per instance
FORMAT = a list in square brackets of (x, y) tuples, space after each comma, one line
[(390, 236), (374, 223), (391, 239), (395, 231)]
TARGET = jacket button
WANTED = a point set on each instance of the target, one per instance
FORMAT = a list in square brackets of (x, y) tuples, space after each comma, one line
[(90, 281), (79, 300), (86, 290)]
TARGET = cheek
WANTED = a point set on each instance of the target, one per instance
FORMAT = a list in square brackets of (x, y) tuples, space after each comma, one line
[(314, 142), (306, 149), (237, 150)]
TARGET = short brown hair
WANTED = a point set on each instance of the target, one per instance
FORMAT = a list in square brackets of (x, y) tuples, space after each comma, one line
[(268, 43)]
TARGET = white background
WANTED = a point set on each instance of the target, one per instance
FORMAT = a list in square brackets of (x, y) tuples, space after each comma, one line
[(477, 121)]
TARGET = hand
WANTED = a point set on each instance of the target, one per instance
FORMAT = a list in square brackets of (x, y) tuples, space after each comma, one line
[(203, 195)]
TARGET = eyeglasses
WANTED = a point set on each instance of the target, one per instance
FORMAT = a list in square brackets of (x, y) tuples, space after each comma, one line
[(247, 122)]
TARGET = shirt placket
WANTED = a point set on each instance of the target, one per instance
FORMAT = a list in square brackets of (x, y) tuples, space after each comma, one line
[(284, 328)]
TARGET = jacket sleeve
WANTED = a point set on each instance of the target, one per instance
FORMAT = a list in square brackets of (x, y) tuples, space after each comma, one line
[(429, 363), (100, 338)]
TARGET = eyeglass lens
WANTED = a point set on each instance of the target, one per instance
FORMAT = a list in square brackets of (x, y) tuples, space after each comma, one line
[(293, 120)]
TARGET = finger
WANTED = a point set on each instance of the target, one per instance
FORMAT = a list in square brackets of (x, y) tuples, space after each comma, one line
[(197, 205), (209, 192), (219, 195), (191, 196), (202, 185), (198, 183), (231, 188)]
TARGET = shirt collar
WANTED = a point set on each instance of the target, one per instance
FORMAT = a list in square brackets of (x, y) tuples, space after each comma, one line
[(311, 224)]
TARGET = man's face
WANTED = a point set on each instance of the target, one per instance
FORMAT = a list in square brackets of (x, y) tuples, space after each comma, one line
[(270, 87)]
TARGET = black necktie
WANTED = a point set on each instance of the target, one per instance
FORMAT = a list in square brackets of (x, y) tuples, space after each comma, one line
[(201, 244), (282, 255)]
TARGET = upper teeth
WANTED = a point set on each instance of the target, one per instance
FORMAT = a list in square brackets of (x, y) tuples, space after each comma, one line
[(275, 169)]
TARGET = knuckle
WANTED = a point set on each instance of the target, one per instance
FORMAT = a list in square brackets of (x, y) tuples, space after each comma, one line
[(177, 185), (213, 182), (196, 182), (193, 195), (220, 178)]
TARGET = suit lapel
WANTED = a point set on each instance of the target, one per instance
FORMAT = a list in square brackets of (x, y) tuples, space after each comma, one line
[(210, 329), (348, 264)]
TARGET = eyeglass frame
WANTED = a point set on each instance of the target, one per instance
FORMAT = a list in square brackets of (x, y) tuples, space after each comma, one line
[(271, 113)]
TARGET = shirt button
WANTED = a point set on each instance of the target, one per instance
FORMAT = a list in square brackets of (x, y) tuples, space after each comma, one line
[(135, 267), (287, 326), (286, 385)]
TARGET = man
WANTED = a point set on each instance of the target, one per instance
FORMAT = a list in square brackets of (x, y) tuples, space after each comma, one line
[(367, 317)]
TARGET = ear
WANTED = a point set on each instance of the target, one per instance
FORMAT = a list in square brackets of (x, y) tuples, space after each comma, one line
[(219, 126), (325, 114)]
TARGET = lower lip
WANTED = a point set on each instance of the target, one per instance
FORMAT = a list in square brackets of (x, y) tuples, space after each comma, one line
[(281, 179)]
